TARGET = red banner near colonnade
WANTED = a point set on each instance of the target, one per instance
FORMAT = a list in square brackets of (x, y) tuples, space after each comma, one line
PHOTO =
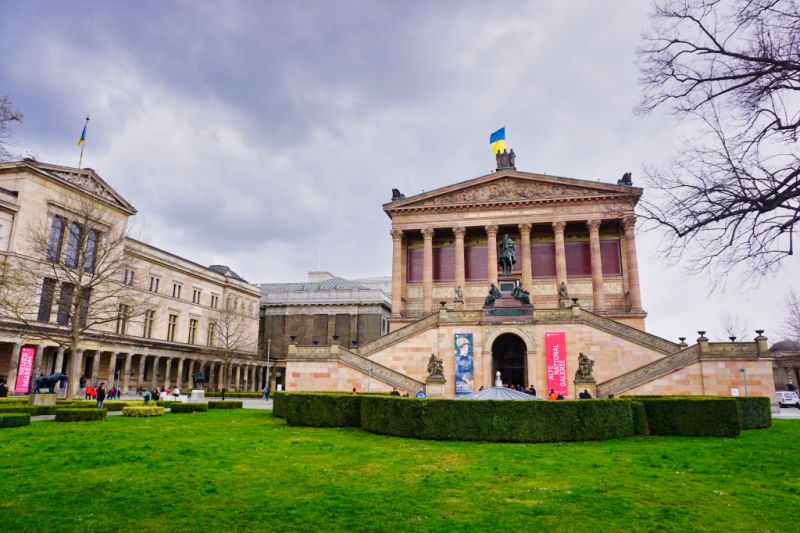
[(556, 346)]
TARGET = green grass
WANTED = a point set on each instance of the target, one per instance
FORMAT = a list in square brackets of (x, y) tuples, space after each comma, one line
[(245, 470)]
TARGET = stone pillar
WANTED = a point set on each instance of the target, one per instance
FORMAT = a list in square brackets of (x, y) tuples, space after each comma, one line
[(461, 275), (561, 252), (598, 294), (189, 380), (96, 368), (210, 384), (37, 365), (112, 366), (142, 365), (154, 380), (259, 379), (13, 368), (427, 271), (527, 264), (634, 296), (220, 376), (179, 375), (167, 372), (126, 372), (238, 375), (74, 373), (491, 253), (59, 360), (397, 272), (247, 377)]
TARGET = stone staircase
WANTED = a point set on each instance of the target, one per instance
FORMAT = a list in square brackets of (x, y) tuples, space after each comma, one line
[(630, 333), (649, 372), (399, 335), (379, 371)]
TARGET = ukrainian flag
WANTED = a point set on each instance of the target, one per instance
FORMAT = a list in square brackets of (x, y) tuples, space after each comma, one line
[(83, 136), (498, 140)]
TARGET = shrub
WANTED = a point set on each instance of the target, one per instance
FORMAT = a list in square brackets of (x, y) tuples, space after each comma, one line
[(143, 411), (69, 414), (10, 420), (639, 415), (14, 400), (236, 394), (323, 410), (166, 403), (227, 404), (32, 410), (692, 416), (76, 403), (188, 407), (279, 404), (754, 412)]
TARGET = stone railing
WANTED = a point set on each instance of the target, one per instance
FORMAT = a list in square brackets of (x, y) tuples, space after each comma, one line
[(731, 349), (554, 314), (630, 333), (649, 372), (378, 371), (398, 335)]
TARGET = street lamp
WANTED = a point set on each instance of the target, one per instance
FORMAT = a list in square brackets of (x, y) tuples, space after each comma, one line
[(269, 349), (744, 376)]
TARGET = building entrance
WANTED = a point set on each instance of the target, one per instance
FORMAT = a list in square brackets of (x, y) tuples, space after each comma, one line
[(508, 356)]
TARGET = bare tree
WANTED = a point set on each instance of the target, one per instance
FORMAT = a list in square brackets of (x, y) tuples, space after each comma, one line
[(733, 325), (7, 115), (232, 338), (791, 320), (732, 196), (76, 262)]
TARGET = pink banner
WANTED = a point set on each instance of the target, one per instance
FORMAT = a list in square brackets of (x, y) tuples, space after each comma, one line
[(26, 356), (556, 346)]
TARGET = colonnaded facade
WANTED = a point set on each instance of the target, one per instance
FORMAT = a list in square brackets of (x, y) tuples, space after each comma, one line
[(158, 319), (565, 307)]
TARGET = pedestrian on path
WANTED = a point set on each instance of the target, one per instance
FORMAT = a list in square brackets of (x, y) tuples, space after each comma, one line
[(266, 393), (101, 395)]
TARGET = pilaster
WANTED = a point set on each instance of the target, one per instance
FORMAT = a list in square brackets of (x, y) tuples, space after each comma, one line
[(527, 264), (598, 295), (427, 270), (491, 253)]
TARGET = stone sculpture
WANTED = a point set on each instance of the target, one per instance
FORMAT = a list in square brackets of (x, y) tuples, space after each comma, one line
[(435, 367), (585, 366), (494, 294), (507, 255), (521, 294), (459, 295)]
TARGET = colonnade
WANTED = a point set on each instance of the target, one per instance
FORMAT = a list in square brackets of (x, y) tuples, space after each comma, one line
[(631, 273)]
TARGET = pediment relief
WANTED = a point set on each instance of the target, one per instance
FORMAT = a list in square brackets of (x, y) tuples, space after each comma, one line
[(88, 183), (509, 190)]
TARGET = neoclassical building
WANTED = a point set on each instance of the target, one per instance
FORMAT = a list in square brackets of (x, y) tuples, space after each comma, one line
[(166, 313), (569, 286)]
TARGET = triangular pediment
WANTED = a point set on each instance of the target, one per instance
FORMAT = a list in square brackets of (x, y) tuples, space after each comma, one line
[(512, 187)]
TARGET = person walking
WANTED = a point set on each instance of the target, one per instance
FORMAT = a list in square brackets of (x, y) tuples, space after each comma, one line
[(224, 390), (266, 393), (101, 395)]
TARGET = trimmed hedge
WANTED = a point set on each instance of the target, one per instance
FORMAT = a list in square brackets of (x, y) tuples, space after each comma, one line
[(14, 400), (143, 411), (32, 410), (71, 414), (166, 403), (10, 420), (755, 412), (536, 421), (692, 416), (236, 394), (323, 410), (279, 404), (227, 404), (182, 407), (639, 418)]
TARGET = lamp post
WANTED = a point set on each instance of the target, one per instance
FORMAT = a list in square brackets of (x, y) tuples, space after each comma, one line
[(744, 376), (269, 349)]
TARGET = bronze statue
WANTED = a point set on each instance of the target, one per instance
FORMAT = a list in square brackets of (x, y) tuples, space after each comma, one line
[(585, 366), (197, 378), (397, 195), (521, 294), (48, 382), (507, 256), (435, 367), (494, 294), (512, 158)]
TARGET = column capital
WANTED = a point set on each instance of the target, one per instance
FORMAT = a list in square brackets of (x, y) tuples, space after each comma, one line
[(491, 231), (559, 226), (628, 223), (593, 225), (525, 228), (396, 233), (459, 232), (427, 233)]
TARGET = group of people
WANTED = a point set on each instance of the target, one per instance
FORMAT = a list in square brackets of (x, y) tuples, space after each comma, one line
[(164, 393), (100, 393)]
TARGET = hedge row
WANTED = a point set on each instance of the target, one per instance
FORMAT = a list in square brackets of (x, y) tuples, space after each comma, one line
[(14, 400), (227, 404), (10, 420), (32, 410), (109, 405), (79, 415), (235, 394), (181, 407), (279, 404), (143, 411), (322, 410), (754, 412), (687, 416)]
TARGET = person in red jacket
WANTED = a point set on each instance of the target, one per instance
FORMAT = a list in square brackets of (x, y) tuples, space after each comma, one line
[(88, 392)]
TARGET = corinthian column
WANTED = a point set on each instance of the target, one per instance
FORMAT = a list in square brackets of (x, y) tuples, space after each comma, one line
[(491, 253), (634, 296), (427, 271), (597, 265), (459, 267), (397, 272), (561, 252), (527, 265)]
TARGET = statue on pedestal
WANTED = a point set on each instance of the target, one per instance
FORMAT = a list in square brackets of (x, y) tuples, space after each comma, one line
[(459, 295), (494, 294), (435, 367), (507, 255), (585, 366), (521, 294)]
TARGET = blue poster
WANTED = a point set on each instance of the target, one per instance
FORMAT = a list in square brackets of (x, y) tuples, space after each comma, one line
[(465, 376)]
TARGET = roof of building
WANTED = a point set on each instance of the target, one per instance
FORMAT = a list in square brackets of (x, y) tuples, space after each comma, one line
[(785, 346), (327, 289), (226, 271), (333, 284)]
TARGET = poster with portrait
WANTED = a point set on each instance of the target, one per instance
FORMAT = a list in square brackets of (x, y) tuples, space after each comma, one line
[(465, 377)]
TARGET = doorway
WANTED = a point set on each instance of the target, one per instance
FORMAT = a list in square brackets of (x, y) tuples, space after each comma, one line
[(508, 356)]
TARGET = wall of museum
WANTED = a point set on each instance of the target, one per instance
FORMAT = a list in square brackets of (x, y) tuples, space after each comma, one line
[(329, 376), (362, 328)]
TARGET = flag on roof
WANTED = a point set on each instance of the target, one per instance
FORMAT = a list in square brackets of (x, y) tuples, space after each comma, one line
[(498, 140)]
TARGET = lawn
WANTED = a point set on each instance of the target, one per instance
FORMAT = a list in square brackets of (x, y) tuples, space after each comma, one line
[(245, 470)]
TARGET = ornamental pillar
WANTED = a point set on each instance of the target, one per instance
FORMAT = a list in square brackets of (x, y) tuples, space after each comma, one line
[(167, 372), (13, 368), (427, 271), (561, 252), (460, 272), (527, 265), (634, 296), (247, 377), (59, 360), (126, 372), (598, 295), (190, 375), (112, 367), (220, 376), (142, 364), (96, 368), (238, 373), (491, 253), (397, 272), (154, 380), (179, 374), (37, 368)]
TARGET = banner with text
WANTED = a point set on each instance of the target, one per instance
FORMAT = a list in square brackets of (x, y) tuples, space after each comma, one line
[(465, 377), (26, 355), (556, 346)]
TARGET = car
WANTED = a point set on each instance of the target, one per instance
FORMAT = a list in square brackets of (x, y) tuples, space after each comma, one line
[(787, 397)]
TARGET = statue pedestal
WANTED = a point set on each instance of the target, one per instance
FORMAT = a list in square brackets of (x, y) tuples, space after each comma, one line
[(434, 387), (198, 395), (458, 306), (48, 398), (589, 385)]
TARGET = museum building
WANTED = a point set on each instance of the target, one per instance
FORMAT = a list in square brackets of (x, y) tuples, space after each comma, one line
[(496, 273)]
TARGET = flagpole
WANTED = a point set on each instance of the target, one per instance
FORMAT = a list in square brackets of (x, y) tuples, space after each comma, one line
[(83, 143)]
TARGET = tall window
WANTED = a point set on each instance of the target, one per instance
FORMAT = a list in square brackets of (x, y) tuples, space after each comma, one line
[(214, 301), (154, 281), (73, 242), (46, 301), (192, 330), (123, 314), (92, 238), (128, 279), (176, 290), (56, 238), (83, 306), (64, 302), (149, 320), (196, 296), (212, 327), (172, 325)]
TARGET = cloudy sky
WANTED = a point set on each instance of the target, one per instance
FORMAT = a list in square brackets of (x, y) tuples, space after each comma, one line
[(266, 135)]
